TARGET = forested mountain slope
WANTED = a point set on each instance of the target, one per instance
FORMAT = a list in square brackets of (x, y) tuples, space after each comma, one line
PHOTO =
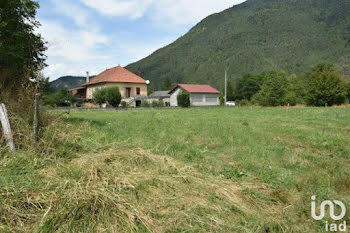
[(68, 82), (255, 36)]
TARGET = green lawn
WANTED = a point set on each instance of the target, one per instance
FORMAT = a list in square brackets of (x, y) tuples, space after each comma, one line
[(193, 170)]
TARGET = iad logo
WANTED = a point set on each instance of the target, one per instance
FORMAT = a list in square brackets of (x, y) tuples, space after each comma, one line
[(331, 205)]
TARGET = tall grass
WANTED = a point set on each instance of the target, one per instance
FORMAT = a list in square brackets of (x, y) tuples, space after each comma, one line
[(178, 170)]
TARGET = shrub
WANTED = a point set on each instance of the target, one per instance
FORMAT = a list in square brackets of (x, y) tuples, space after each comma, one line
[(161, 104), (124, 104), (157, 104), (62, 98), (183, 99), (110, 95), (113, 96), (154, 104), (145, 104), (244, 102), (325, 86)]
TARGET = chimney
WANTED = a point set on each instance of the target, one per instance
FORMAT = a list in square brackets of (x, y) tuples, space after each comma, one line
[(87, 77)]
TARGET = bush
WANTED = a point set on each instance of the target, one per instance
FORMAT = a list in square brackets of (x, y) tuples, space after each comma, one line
[(99, 96), (110, 95), (113, 96), (145, 104), (154, 104), (161, 104), (62, 98), (325, 87), (183, 99), (244, 102), (124, 104), (157, 104)]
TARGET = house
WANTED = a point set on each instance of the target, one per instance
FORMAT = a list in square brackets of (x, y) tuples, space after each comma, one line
[(160, 96), (132, 87), (200, 95)]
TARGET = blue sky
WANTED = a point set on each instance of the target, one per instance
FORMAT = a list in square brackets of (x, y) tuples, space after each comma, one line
[(92, 35)]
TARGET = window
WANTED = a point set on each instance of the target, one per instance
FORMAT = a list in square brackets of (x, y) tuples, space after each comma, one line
[(127, 92), (138, 91)]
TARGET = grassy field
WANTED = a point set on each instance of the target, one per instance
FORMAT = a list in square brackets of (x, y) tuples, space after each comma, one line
[(179, 170)]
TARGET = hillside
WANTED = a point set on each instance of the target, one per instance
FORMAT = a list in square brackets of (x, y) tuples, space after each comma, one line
[(255, 36), (68, 82)]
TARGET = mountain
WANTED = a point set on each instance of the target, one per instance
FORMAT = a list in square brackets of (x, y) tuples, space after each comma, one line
[(68, 82), (255, 36)]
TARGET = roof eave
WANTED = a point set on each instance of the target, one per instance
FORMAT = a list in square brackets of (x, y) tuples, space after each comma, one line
[(89, 84)]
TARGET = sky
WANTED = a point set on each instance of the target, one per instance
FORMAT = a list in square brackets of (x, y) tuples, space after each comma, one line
[(92, 35)]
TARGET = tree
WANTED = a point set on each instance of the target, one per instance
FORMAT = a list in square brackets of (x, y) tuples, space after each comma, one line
[(248, 86), (325, 86), (230, 91), (183, 99), (275, 90), (22, 51), (45, 87), (61, 98), (167, 84), (113, 96)]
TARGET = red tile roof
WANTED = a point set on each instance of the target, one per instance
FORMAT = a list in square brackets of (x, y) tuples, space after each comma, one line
[(116, 75), (195, 88)]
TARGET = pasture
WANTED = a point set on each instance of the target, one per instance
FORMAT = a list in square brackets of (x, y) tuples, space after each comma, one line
[(180, 170)]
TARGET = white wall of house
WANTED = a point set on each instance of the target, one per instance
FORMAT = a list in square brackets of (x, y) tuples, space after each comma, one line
[(173, 97), (122, 88), (205, 99)]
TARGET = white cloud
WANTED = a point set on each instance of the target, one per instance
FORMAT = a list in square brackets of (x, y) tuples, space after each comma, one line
[(173, 12), (132, 8), (72, 10), (71, 45), (182, 12), (72, 52)]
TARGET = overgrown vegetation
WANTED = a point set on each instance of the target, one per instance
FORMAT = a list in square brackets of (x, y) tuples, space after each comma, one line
[(183, 99), (62, 98), (21, 61)]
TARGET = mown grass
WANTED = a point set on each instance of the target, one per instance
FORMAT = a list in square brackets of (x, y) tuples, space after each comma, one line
[(179, 170)]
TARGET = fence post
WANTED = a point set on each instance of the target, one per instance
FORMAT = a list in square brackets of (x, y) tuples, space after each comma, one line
[(6, 128), (37, 117)]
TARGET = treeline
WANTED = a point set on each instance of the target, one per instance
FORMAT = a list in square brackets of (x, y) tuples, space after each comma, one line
[(322, 86)]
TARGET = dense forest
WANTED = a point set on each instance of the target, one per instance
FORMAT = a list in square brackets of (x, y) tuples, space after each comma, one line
[(255, 36)]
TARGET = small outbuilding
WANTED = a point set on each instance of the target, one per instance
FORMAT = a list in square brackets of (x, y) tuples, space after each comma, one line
[(200, 95), (160, 96)]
